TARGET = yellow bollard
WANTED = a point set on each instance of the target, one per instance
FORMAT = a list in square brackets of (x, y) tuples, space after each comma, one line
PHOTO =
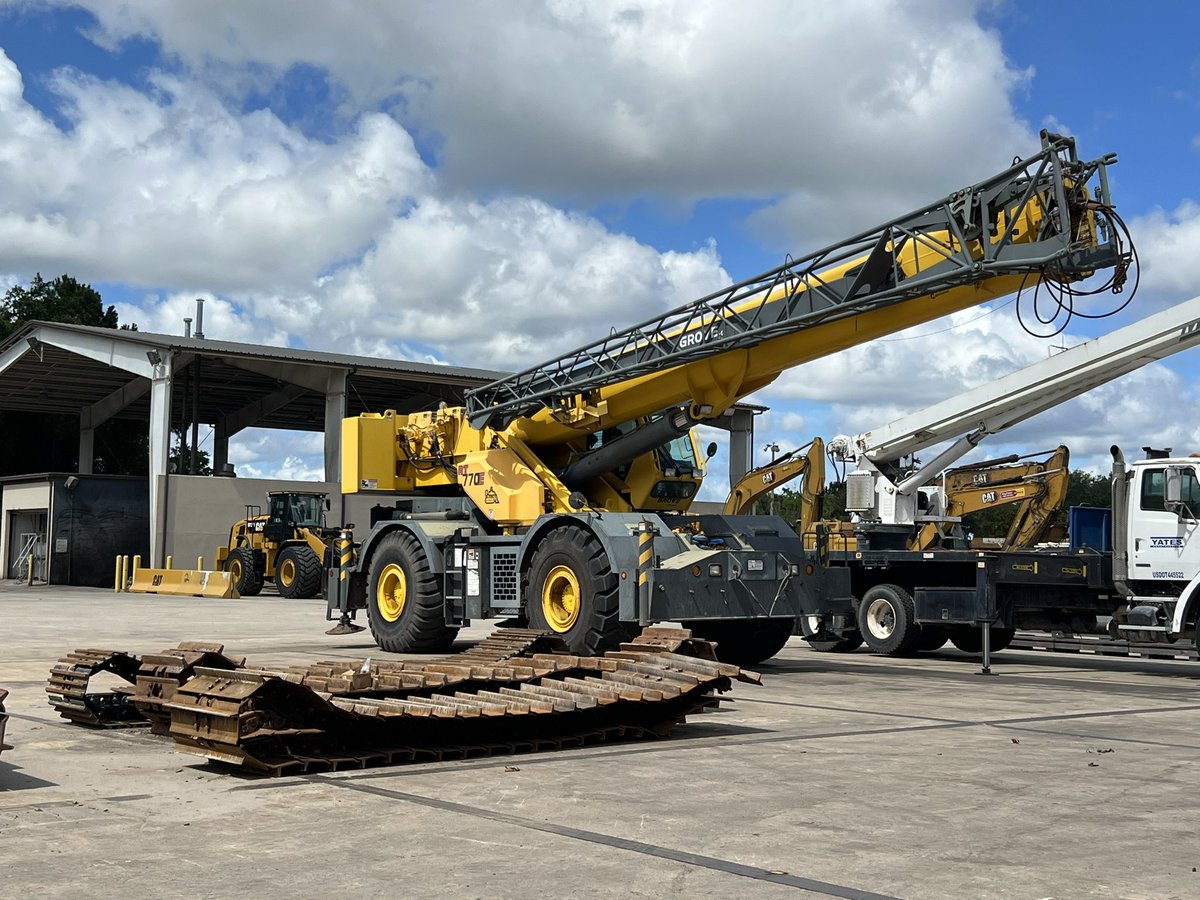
[(124, 572), (199, 563), (137, 564), (117, 574), (170, 559), (30, 581)]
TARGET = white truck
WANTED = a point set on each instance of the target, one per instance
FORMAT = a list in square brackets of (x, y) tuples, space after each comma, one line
[(1144, 584)]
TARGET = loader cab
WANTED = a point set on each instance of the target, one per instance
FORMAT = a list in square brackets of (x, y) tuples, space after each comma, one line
[(287, 511)]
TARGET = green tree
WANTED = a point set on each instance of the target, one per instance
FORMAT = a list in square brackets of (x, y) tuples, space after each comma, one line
[(62, 300), (42, 442), (180, 460)]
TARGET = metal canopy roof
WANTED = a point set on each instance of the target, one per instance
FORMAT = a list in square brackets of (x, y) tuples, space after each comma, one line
[(233, 376)]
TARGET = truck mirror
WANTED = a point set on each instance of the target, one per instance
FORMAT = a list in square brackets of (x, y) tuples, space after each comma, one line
[(1172, 487), (711, 450)]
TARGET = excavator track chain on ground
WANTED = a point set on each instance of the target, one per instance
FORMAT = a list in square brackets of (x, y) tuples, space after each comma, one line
[(151, 679), (3, 721), (516, 691)]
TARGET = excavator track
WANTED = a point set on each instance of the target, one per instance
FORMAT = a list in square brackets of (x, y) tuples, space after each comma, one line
[(70, 679), (3, 721), (276, 724), (516, 691), (151, 679)]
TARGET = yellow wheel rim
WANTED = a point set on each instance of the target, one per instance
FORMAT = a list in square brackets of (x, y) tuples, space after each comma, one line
[(561, 599), (235, 570), (287, 572), (390, 592)]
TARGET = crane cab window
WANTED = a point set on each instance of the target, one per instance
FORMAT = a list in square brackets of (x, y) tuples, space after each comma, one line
[(678, 456), (1154, 491)]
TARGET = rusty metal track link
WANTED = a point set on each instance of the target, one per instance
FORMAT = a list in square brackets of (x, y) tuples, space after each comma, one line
[(151, 679), (277, 725)]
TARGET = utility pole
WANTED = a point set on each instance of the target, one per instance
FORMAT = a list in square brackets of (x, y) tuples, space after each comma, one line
[(773, 449)]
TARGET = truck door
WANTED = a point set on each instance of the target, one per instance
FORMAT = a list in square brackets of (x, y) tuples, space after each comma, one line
[(1164, 544)]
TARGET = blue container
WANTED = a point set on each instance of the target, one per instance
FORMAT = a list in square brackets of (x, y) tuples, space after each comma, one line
[(1090, 526)]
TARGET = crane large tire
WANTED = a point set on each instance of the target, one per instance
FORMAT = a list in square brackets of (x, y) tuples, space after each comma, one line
[(887, 620), (404, 603), (744, 642), (243, 572), (297, 573), (572, 591), (968, 639)]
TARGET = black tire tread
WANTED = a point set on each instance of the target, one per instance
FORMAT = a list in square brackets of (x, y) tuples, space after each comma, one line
[(251, 582), (744, 642), (909, 632), (602, 614), (421, 627), (308, 573)]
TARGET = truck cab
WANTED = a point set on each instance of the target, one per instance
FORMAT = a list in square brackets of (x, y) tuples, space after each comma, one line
[(1164, 517)]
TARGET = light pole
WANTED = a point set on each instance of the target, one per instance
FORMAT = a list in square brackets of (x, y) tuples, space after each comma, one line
[(773, 449)]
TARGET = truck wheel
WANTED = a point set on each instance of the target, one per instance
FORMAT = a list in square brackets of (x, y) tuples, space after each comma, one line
[(968, 639), (297, 573), (933, 637), (744, 642), (404, 605), (847, 643), (572, 591), (887, 620), (243, 572)]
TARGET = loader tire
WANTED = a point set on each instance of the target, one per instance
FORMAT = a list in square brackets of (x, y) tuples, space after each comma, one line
[(968, 639), (744, 642), (887, 620), (243, 572), (297, 573), (404, 602), (571, 591)]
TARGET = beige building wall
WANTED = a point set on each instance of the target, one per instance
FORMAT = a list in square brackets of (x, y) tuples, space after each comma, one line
[(200, 510), (16, 497)]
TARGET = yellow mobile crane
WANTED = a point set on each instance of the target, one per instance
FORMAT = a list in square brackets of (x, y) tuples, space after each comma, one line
[(578, 471)]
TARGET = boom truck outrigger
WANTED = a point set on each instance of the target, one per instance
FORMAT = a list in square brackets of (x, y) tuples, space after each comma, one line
[(579, 472)]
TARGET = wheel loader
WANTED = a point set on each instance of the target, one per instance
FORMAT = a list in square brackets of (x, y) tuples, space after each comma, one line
[(286, 546)]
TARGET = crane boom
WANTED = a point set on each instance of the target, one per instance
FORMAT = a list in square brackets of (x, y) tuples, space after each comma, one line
[(1032, 222)]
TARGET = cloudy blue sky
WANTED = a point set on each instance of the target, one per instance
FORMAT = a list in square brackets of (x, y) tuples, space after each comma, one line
[(489, 184)]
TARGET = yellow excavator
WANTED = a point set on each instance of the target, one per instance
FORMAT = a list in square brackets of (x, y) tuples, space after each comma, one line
[(1038, 485), (807, 462), (579, 472)]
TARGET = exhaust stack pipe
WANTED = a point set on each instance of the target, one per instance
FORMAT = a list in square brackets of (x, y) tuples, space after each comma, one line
[(627, 448), (199, 319), (1120, 528)]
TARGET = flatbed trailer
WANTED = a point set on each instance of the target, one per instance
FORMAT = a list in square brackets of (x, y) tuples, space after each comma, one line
[(914, 600)]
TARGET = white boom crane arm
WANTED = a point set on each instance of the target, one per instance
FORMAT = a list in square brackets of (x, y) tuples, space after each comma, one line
[(991, 408)]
